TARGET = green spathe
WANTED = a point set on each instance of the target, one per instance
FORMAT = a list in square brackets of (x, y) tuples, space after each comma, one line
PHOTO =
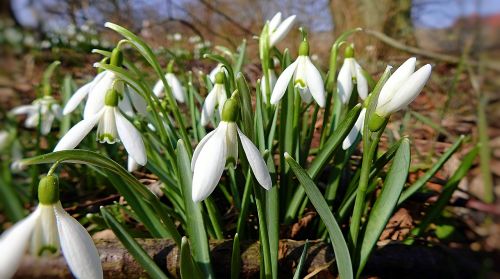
[(48, 190)]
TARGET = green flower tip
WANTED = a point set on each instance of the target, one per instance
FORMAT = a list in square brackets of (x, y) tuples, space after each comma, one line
[(111, 98), (230, 110), (219, 77), (116, 57), (349, 51), (48, 190), (170, 66), (304, 48), (376, 122)]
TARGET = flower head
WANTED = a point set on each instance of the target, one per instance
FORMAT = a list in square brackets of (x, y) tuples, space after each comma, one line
[(279, 29), (216, 97), (219, 149), (112, 127), (306, 78), (174, 83), (45, 108), (349, 72), (402, 87), (47, 231)]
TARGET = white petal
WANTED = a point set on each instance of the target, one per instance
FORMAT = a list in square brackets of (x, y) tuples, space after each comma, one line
[(199, 147), (47, 121), (275, 21), (281, 31), (408, 92), (209, 105), (257, 164), (356, 129), (210, 164), (95, 100), (132, 164), (138, 101), (395, 81), (232, 144), (24, 109), (344, 82), (176, 86), (13, 244), (131, 139), (77, 98), (32, 120), (282, 83), (76, 134), (221, 99), (158, 89), (126, 107), (77, 246), (315, 83), (361, 82)]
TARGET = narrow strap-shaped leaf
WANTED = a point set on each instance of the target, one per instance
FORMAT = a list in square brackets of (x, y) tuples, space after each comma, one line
[(242, 49), (302, 261), (236, 258), (386, 202), (187, 267), (417, 185), (194, 222), (340, 249), (132, 246)]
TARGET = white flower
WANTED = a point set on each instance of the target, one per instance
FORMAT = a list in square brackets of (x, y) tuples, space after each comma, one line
[(216, 97), (356, 129), (402, 87), (305, 77), (216, 70), (112, 127), (45, 107), (272, 83), (351, 70), (218, 149), (174, 83), (278, 29), (49, 230)]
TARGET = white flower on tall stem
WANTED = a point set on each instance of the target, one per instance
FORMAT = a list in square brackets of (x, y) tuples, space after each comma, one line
[(45, 108), (216, 97), (404, 85), (219, 149), (349, 72), (48, 231), (173, 82), (279, 29), (112, 127), (306, 78)]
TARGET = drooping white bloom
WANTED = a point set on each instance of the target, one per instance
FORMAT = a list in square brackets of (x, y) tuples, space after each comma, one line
[(112, 127), (356, 129), (402, 87), (216, 97), (46, 107), (305, 77), (81, 94), (216, 70), (218, 149), (279, 29), (174, 83), (351, 70), (272, 83), (49, 230)]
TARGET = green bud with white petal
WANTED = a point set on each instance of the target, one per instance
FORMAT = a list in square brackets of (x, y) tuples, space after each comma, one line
[(349, 51), (48, 190), (219, 77), (304, 48)]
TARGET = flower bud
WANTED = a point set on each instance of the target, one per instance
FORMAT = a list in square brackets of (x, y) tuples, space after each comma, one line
[(230, 110), (111, 98), (116, 57), (219, 77), (48, 190), (349, 52), (304, 48)]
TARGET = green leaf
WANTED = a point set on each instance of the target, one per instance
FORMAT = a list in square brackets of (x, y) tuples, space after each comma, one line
[(132, 246), (241, 56), (386, 202), (302, 261), (236, 258), (342, 256), (187, 267), (417, 185)]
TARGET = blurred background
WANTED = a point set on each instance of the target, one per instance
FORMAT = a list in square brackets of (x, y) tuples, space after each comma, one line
[(460, 38)]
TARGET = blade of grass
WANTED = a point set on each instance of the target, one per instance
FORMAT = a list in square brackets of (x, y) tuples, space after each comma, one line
[(302, 261), (236, 258)]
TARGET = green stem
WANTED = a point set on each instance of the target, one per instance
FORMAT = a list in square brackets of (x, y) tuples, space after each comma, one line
[(264, 237)]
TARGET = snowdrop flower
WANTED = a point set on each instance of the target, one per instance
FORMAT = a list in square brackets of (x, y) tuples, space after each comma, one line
[(213, 73), (278, 29), (350, 71), (306, 78), (46, 108), (216, 97), (49, 230), (219, 149), (174, 83), (112, 127), (402, 87), (356, 129)]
